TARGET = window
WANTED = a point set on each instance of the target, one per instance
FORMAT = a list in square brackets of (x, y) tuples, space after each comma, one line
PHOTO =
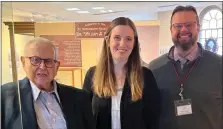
[(211, 29)]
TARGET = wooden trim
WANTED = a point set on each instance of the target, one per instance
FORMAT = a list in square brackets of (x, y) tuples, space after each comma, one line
[(72, 70), (21, 27), (13, 56), (73, 77)]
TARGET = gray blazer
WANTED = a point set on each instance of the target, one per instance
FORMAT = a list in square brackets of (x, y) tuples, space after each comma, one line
[(75, 104)]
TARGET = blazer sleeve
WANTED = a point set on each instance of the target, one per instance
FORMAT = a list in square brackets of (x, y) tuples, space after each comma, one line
[(87, 86), (151, 100), (2, 108), (88, 115)]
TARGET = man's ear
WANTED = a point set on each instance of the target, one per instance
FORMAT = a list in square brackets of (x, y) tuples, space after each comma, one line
[(58, 65), (22, 58), (198, 28)]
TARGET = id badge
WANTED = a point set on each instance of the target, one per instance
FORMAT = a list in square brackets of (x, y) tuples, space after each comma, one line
[(183, 107)]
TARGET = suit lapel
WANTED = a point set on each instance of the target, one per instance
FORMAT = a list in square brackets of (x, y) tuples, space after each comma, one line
[(28, 112), (66, 106)]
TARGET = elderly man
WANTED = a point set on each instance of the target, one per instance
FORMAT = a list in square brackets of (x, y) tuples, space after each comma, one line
[(189, 77), (38, 101)]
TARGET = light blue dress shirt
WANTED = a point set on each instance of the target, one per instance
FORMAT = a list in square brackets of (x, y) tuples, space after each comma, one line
[(47, 107)]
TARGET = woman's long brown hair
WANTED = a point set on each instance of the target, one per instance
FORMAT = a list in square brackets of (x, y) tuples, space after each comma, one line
[(104, 81)]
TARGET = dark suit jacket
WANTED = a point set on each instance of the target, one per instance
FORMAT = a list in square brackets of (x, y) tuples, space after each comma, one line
[(142, 114), (75, 104)]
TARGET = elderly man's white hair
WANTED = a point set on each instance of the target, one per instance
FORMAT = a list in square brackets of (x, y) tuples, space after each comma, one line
[(40, 40)]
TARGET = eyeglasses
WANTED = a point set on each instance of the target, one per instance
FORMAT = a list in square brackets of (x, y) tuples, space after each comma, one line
[(36, 61), (188, 25)]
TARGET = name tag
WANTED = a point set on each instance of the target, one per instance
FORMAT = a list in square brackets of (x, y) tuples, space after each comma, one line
[(183, 107)]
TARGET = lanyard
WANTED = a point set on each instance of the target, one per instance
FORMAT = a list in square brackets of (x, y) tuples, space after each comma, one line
[(181, 81)]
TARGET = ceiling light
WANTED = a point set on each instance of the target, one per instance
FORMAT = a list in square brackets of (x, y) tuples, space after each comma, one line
[(103, 11), (72, 9), (110, 10), (83, 12), (98, 7)]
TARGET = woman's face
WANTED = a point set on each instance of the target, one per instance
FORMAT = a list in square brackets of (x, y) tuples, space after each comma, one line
[(121, 42)]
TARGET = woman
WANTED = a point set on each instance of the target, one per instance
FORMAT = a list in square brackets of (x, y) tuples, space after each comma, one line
[(124, 94)]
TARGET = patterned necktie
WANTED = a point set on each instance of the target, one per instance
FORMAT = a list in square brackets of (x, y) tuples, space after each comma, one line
[(54, 118)]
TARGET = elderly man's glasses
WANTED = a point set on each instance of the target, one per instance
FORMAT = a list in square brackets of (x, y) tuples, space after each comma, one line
[(188, 25), (36, 61)]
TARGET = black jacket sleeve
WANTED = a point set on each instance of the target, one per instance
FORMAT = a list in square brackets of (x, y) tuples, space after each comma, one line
[(87, 86), (151, 100), (88, 115)]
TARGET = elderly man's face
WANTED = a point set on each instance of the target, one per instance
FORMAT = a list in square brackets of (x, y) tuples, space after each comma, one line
[(40, 73)]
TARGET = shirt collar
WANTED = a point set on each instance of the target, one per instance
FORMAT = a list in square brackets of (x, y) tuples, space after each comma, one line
[(192, 56), (36, 90)]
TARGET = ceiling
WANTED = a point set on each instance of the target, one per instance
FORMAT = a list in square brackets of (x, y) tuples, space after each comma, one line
[(56, 11)]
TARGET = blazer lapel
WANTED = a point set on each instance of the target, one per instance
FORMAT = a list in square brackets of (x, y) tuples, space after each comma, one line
[(28, 112), (125, 99)]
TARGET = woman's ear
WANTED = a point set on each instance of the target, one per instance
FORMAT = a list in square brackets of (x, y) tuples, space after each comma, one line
[(106, 38)]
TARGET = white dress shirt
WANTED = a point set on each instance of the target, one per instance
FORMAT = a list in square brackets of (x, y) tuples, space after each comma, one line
[(115, 110)]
